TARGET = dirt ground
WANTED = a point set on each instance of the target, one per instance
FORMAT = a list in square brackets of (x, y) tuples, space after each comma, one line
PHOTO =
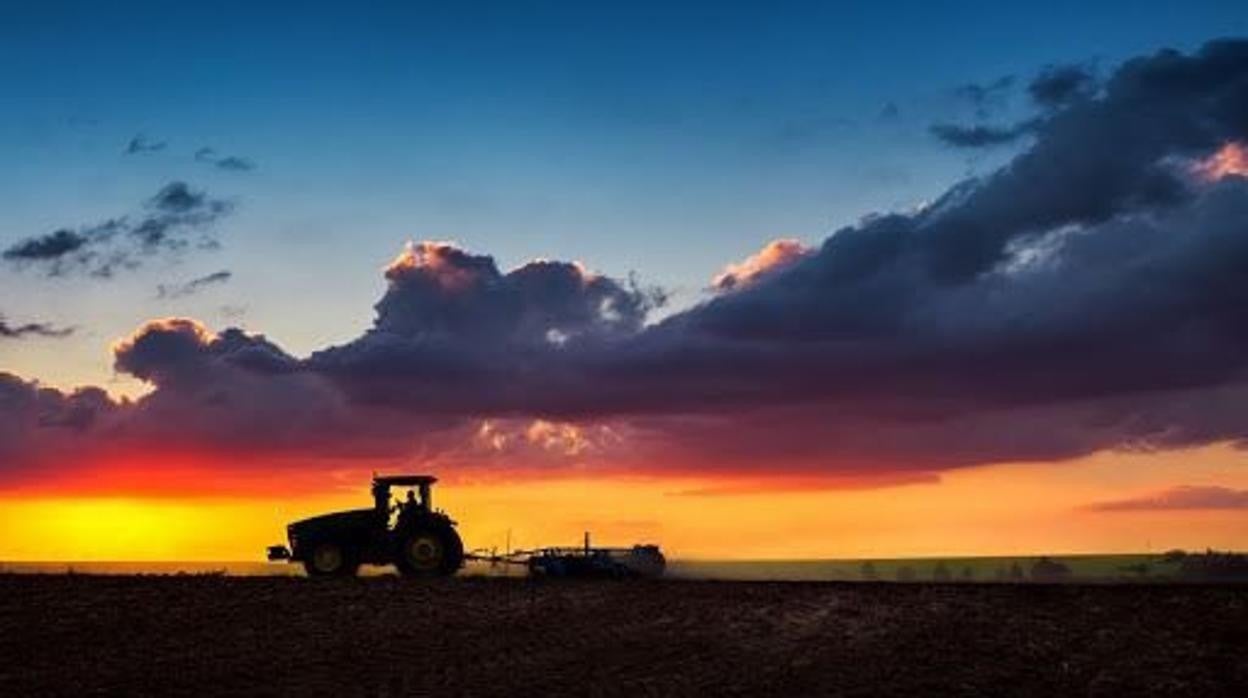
[(384, 636)]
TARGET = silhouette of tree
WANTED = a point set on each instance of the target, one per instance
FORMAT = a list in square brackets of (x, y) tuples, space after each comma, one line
[(1174, 556), (1215, 565), (1046, 570), (941, 573), (906, 573), (968, 573)]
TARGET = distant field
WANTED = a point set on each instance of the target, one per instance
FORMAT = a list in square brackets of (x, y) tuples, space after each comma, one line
[(204, 635), (1082, 567)]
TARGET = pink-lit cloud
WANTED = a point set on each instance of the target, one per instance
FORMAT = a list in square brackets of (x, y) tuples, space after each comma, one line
[(1231, 160), (775, 256)]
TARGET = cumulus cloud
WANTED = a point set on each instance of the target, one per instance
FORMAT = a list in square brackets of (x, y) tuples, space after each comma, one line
[(1181, 498), (1088, 295), (177, 218), (461, 333), (190, 288), (1059, 85), (38, 422)]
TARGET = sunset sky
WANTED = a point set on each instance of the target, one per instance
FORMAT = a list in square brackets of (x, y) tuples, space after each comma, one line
[(789, 281)]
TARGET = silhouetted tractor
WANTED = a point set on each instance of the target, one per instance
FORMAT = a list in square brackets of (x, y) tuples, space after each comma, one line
[(420, 542)]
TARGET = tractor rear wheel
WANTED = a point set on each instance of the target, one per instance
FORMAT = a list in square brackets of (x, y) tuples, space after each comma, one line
[(430, 552), (330, 559)]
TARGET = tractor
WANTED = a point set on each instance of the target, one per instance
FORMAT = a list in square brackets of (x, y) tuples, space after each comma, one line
[(420, 541)]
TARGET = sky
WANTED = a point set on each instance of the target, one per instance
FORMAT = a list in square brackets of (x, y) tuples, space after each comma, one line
[(770, 280)]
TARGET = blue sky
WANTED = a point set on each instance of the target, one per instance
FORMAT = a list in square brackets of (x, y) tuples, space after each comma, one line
[(632, 137)]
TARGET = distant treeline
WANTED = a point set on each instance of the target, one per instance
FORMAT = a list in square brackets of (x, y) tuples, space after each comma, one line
[(1174, 565)]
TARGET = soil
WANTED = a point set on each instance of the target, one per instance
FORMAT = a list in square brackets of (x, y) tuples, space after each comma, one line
[(386, 636)]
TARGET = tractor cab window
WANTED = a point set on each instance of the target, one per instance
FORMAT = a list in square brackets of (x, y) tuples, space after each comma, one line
[(408, 508)]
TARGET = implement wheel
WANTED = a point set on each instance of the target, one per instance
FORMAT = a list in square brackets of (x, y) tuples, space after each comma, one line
[(430, 552)]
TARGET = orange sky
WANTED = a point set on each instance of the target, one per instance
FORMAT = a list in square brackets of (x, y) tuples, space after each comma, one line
[(999, 510)]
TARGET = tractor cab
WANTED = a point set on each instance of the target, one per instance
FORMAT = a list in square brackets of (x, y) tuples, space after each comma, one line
[(419, 501)]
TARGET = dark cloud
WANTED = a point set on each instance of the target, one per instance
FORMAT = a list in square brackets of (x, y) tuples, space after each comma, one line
[(1182, 498), (1083, 297), (165, 352), (176, 219), (32, 329), (451, 318), (230, 162), (178, 198), (236, 164), (1088, 295), (52, 246), (142, 144), (1058, 86), (37, 423), (190, 288), (977, 136)]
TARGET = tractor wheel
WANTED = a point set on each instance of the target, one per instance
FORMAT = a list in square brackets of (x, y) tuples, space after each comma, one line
[(330, 559), (430, 552)]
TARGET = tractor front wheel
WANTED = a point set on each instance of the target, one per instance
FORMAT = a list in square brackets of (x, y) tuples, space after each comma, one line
[(432, 552), (330, 559)]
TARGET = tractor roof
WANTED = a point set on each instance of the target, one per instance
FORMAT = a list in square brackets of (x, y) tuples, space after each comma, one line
[(403, 480)]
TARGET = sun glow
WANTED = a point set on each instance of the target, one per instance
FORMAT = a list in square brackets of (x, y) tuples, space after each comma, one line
[(998, 510)]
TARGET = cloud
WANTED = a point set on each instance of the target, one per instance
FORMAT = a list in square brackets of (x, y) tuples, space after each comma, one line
[(1081, 298), (775, 256), (52, 246), (142, 144), (32, 329), (1181, 498), (236, 164), (175, 219), (167, 351), (1059, 85), (230, 162), (189, 288), (977, 136), (1086, 296)]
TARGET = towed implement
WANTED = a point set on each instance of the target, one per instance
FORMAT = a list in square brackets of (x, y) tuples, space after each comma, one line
[(639, 561)]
